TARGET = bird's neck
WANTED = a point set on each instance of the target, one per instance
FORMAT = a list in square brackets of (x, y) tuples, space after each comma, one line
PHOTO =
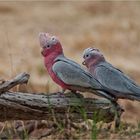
[(50, 59), (96, 61)]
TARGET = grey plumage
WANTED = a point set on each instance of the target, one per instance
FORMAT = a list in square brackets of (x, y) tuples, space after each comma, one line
[(72, 74), (112, 79), (118, 83)]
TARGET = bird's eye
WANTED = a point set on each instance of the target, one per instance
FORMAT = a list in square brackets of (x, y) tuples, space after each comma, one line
[(87, 55), (53, 38), (48, 46)]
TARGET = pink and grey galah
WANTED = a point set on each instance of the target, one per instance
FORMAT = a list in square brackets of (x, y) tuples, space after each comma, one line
[(117, 83), (65, 72)]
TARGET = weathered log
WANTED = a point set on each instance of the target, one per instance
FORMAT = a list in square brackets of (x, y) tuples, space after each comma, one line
[(40, 106)]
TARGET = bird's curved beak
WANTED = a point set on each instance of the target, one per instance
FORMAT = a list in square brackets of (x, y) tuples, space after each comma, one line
[(84, 63), (43, 53)]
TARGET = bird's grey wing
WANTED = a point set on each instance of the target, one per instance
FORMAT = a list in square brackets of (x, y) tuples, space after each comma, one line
[(114, 79), (76, 65), (73, 75), (70, 75), (126, 77), (92, 81)]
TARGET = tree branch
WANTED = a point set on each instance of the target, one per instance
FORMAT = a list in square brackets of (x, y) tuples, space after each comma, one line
[(19, 79), (40, 106)]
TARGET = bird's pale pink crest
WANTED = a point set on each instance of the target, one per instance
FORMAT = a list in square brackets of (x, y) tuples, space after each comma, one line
[(43, 38), (49, 44), (92, 56)]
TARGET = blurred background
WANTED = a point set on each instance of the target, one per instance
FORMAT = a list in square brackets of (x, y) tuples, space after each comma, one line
[(112, 27)]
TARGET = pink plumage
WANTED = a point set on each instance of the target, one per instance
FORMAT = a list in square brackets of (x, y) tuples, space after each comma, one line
[(50, 54)]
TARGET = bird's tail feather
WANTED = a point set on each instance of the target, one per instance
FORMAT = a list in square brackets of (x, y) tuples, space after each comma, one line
[(136, 92), (134, 97), (105, 95)]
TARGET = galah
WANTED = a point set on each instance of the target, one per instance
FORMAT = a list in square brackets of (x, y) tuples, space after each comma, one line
[(65, 72), (117, 83)]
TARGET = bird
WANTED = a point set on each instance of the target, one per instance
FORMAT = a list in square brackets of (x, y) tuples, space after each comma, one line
[(117, 83), (68, 74)]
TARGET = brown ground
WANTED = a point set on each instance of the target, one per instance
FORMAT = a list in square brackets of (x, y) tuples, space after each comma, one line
[(113, 27)]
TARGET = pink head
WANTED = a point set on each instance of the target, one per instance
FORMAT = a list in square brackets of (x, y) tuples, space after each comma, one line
[(92, 56), (50, 44)]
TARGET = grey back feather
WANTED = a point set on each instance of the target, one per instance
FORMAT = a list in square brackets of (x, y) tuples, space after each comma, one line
[(114, 79), (72, 73)]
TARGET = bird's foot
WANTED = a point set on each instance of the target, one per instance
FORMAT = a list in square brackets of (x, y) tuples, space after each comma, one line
[(78, 95), (61, 94)]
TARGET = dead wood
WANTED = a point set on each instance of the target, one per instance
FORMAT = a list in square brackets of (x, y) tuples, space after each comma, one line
[(43, 106)]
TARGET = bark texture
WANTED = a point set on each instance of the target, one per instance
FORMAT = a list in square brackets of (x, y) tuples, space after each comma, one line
[(41, 106)]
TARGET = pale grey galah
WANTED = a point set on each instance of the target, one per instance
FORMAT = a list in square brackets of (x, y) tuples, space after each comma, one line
[(118, 84)]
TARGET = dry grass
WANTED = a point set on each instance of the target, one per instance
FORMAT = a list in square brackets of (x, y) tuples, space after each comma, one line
[(113, 27)]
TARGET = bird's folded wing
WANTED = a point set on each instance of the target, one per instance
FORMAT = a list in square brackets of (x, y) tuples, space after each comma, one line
[(76, 65), (73, 74), (114, 79)]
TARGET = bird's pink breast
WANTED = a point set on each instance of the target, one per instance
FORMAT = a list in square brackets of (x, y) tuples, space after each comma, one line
[(55, 78)]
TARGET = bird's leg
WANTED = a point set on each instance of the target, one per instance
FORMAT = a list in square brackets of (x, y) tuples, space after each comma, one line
[(116, 106), (62, 93), (78, 95), (118, 111)]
